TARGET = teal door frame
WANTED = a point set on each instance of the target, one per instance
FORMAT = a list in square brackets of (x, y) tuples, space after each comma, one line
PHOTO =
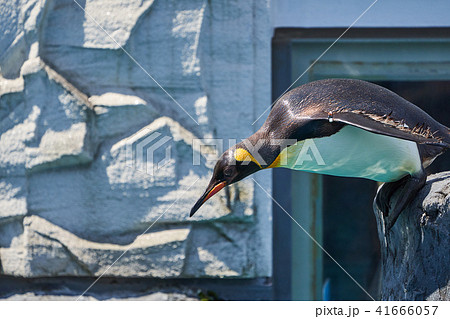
[(372, 59)]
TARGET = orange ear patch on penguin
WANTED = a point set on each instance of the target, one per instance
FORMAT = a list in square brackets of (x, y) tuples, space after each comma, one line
[(243, 155)]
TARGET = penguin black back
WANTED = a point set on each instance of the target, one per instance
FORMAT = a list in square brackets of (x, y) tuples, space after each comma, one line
[(359, 103)]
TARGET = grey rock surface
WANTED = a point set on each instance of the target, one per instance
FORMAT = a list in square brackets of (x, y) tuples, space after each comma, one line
[(181, 295), (81, 178), (415, 252)]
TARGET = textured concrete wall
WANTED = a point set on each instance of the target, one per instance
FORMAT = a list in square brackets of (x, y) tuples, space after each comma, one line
[(74, 108)]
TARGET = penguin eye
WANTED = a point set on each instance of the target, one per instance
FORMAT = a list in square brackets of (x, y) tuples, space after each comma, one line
[(227, 172)]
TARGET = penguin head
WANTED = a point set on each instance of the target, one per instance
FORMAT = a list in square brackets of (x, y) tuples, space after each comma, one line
[(234, 165)]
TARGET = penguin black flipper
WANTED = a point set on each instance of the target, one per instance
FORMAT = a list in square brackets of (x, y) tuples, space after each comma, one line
[(368, 124), (361, 104)]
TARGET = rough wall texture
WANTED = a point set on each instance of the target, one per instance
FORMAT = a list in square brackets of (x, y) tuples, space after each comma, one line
[(78, 116), (415, 257)]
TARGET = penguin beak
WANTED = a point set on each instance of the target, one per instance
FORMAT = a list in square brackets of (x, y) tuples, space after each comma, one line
[(213, 188)]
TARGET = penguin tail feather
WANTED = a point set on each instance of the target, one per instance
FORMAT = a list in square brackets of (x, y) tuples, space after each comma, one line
[(442, 144), (447, 140)]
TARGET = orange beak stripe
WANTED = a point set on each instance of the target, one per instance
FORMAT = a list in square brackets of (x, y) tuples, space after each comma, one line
[(214, 191)]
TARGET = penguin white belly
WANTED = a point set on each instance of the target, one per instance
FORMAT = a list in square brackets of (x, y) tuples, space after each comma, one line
[(354, 152)]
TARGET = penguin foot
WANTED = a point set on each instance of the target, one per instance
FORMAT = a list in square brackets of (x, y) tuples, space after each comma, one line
[(408, 189), (385, 193), (389, 223)]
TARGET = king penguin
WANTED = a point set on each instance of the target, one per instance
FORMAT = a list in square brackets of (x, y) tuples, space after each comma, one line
[(353, 128)]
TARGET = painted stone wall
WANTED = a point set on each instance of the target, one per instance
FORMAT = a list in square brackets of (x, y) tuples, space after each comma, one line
[(82, 113)]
